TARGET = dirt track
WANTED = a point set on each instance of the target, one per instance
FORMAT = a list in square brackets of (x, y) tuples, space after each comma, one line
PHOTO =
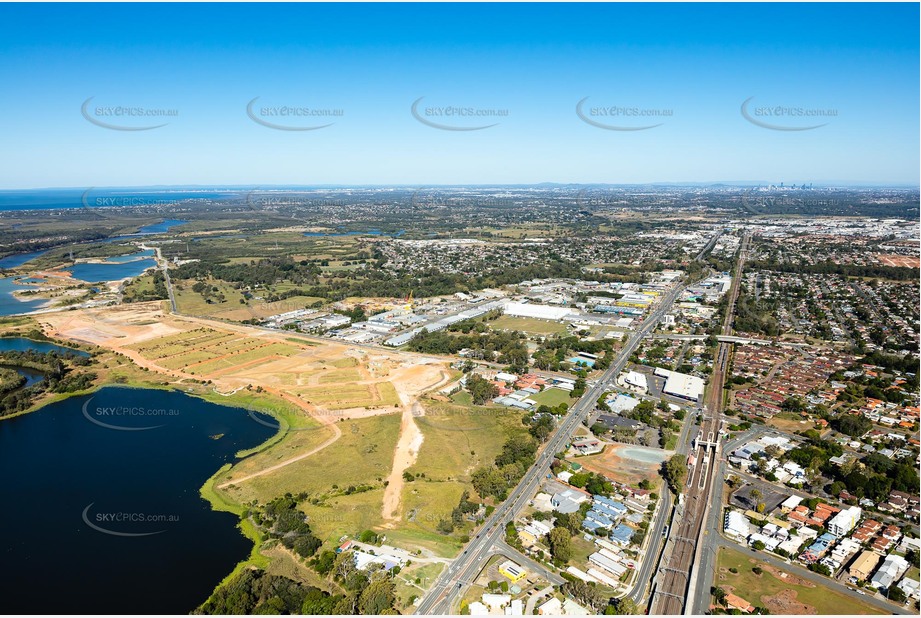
[(406, 451)]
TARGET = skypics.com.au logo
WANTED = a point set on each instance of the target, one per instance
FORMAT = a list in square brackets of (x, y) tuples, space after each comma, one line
[(785, 117), (120, 418), (127, 524), (455, 117), (125, 117), (291, 117), (621, 118)]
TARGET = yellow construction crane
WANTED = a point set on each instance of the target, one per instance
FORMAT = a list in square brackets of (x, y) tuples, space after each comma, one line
[(409, 302)]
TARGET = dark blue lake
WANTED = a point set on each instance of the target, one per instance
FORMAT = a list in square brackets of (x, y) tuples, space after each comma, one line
[(114, 268), (21, 344), (18, 259), (9, 305), (102, 521), (163, 226)]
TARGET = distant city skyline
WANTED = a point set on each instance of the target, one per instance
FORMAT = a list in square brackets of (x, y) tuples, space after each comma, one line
[(463, 95)]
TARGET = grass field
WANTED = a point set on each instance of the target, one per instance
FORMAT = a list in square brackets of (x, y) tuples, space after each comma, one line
[(139, 286), (203, 350), (343, 363), (527, 325), (552, 397), (413, 580), (284, 563), (362, 455), (257, 309), (340, 376), (193, 303), (768, 590), (462, 398), (581, 550), (789, 422), (457, 440)]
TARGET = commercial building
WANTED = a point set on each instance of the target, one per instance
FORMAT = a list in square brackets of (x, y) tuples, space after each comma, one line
[(681, 385), (363, 560), (587, 446), (568, 501), (622, 403), (790, 503), (635, 379), (553, 607), (496, 602), (512, 571), (737, 525), (608, 563)]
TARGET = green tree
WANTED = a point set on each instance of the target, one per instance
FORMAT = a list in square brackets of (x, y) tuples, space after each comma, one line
[(675, 472), (378, 596), (560, 543)]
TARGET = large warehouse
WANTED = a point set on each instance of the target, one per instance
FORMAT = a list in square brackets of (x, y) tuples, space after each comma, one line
[(544, 312), (681, 384)]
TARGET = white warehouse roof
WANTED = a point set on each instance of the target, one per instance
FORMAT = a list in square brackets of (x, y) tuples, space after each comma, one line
[(544, 312), (681, 384)]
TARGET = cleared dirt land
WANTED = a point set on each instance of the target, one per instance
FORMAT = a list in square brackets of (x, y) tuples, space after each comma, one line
[(329, 380), (626, 464), (345, 435)]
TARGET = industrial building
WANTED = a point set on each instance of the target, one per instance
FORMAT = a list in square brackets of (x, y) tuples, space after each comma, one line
[(681, 385), (543, 312)]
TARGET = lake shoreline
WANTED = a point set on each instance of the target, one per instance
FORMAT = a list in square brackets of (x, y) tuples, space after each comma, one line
[(216, 499)]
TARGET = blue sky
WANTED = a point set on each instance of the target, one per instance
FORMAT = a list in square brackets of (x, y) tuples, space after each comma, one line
[(699, 63)]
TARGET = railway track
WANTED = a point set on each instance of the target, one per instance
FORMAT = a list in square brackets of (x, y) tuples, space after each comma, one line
[(670, 595)]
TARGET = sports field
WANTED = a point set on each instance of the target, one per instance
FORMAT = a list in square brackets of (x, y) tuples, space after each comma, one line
[(552, 397), (528, 325)]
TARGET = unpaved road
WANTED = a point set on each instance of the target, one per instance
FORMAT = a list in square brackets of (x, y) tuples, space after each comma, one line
[(404, 456), (406, 452)]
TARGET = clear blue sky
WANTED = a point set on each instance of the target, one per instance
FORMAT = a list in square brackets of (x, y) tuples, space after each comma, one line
[(536, 61)]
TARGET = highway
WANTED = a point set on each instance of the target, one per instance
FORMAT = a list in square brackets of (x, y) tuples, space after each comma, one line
[(450, 584), (673, 587)]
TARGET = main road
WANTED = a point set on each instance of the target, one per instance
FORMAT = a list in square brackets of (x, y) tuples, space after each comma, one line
[(455, 578)]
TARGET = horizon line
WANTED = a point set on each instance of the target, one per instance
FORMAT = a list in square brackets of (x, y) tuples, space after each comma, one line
[(415, 185)]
